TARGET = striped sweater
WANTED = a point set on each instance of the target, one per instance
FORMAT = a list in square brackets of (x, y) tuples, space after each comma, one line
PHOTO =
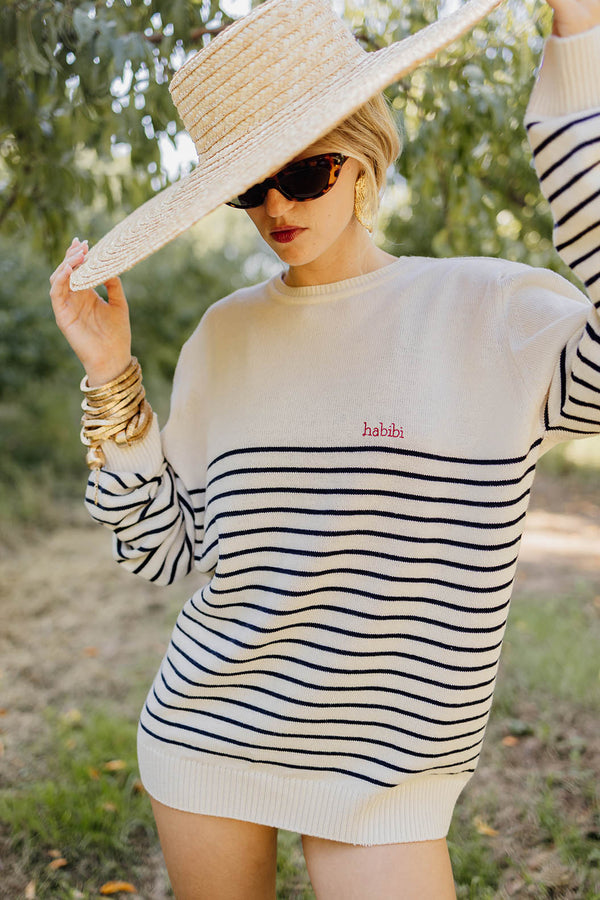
[(351, 464)]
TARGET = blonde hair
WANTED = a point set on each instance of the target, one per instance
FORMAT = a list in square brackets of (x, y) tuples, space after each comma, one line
[(370, 136)]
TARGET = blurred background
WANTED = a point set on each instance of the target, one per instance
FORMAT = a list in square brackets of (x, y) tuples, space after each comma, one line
[(88, 132)]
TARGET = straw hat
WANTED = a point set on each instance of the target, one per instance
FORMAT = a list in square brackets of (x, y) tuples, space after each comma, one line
[(259, 94)]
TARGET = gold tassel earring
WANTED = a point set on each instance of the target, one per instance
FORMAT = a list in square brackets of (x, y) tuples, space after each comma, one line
[(361, 207)]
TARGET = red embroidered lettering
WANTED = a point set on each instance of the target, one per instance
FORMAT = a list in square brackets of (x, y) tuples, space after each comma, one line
[(381, 430)]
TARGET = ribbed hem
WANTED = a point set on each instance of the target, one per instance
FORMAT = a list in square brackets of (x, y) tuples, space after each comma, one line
[(419, 809), (145, 457), (569, 81)]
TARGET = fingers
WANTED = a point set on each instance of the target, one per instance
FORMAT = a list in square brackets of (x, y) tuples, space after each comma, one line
[(73, 257), (116, 295), (59, 280)]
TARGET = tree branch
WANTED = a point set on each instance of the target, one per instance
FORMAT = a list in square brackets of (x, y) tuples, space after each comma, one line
[(196, 34)]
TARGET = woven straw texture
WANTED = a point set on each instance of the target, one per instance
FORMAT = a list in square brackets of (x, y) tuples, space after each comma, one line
[(259, 94)]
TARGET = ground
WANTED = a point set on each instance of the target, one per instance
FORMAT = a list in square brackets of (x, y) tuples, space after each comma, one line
[(77, 630)]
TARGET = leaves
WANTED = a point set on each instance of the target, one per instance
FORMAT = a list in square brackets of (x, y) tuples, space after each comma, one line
[(115, 887), (483, 828)]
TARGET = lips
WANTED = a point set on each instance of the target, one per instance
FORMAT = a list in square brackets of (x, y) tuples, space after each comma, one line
[(286, 235)]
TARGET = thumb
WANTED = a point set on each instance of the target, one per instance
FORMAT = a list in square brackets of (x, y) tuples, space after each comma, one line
[(116, 295)]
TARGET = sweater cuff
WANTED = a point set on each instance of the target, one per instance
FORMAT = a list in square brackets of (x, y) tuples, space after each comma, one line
[(144, 457), (569, 80)]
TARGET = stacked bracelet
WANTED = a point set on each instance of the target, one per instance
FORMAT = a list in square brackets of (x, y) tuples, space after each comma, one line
[(116, 411)]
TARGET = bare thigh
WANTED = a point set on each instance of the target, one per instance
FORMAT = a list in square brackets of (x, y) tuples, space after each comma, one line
[(416, 871), (213, 858)]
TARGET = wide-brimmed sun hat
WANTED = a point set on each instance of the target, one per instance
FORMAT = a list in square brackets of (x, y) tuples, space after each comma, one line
[(266, 88)]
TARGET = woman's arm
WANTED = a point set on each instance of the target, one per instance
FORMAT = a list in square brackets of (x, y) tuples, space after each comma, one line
[(157, 521), (563, 123)]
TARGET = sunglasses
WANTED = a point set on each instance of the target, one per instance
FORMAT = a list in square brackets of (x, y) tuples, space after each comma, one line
[(306, 179)]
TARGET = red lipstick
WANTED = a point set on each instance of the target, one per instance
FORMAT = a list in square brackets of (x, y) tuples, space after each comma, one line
[(285, 235)]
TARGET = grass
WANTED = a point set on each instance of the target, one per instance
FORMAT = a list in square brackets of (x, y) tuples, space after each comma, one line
[(89, 810)]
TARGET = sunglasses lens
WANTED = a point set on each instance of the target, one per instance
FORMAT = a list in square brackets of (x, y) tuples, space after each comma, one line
[(305, 183), (255, 196)]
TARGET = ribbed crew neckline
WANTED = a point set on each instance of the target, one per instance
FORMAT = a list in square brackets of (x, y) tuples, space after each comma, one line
[(336, 290)]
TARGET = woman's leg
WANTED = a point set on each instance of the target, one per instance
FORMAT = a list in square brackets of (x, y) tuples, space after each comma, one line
[(213, 858), (416, 871)]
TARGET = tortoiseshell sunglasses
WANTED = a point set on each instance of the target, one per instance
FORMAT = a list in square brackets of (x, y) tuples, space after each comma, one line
[(306, 179)]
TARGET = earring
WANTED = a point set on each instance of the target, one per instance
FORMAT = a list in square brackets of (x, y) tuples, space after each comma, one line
[(361, 207)]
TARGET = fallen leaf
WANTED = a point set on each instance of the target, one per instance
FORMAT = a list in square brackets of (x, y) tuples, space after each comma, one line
[(1, 747), (110, 807), (3, 712), (115, 765), (70, 744), (30, 891), (93, 773), (71, 717), (510, 740), (483, 828), (138, 787), (90, 651), (58, 863), (54, 854), (114, 887)]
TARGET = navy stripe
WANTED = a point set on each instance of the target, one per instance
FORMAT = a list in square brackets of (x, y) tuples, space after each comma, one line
[(571, 182), (398, 579), (577, 237), (372, 617), (576, 209), (254, 688), (358, 470), (567, 156), (404, 517), (376, 554), (399, 451), (314, 721), (304, 767), (341, 651), (573, 123), (314, 738), (282, 676)]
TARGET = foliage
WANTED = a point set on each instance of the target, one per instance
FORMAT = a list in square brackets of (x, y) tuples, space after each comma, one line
[(79, 81), (464, 184)]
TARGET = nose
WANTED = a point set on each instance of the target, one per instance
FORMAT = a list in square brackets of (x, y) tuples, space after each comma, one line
[(276, 204)]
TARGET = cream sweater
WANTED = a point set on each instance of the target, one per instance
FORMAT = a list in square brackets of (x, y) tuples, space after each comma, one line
[(352, 463)]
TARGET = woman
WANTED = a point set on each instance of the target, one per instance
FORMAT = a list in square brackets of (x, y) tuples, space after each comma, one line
[(349, 454)]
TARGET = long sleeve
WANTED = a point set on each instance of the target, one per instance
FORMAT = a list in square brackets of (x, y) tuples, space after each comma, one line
[(153, 505), (563, 123)]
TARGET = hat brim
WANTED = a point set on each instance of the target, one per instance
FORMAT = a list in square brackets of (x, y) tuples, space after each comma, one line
[(176, 208)]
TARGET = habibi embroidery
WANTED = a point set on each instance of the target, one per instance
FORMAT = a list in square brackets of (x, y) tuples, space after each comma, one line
[(380, 430)]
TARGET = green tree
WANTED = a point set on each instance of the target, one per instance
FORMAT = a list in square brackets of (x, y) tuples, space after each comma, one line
[(78, 79), (464, 182)]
